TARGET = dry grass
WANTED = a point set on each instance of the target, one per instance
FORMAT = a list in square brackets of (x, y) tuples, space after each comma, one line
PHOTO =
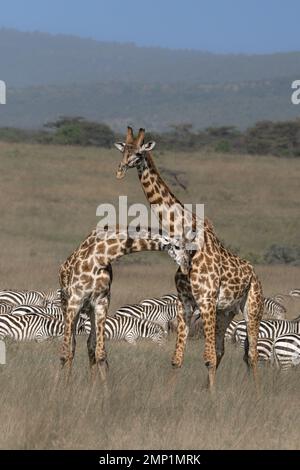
[(142, 409), (48, 203)]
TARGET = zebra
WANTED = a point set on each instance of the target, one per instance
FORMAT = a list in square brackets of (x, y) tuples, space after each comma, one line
[(30, 297), (51, 310), (129, 329), (281, 298), (35, 326), (160, 301), (169, 298), (30, 327), (265, 349), (161, 315), (51, 296), (231, 329), (274, 308), (5, 307), (295, 293), (268, 329), (286, 351)]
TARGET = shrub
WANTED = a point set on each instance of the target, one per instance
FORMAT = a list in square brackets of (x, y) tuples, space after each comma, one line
[(280, 254)]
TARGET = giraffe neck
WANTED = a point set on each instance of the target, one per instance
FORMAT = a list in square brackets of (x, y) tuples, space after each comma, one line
[(154, 187), (159, 194), (119, 247)]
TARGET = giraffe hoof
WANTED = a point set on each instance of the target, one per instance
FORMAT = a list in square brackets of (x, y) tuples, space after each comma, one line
[(104, 364), (103, 367), (63, 361), (176, 364)]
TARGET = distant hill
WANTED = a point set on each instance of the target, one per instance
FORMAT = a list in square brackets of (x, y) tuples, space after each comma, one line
[(41, 58), (155, 106), (49, 75)]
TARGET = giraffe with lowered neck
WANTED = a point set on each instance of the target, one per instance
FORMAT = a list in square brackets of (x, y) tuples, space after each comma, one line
[(218, 282), (85, 279)]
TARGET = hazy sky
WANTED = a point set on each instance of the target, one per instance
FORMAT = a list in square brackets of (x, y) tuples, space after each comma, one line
[(251, 26)]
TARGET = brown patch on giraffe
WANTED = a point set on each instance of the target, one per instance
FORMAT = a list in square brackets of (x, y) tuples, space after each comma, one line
[(147, 184), (113, 250)]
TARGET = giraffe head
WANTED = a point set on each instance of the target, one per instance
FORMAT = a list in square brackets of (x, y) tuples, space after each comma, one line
[(177, 251), (133, 151)]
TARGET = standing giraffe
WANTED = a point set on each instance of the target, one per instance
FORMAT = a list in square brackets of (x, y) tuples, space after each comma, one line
[(218, 282), (85, 279)]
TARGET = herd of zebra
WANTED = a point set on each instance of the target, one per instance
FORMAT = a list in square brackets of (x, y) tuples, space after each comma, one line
[(37, 315)]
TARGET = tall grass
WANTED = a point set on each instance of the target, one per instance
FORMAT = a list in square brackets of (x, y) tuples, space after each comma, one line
[(144, 406)]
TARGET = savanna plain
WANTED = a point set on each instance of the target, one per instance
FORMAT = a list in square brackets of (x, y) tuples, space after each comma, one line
[(49, 196)]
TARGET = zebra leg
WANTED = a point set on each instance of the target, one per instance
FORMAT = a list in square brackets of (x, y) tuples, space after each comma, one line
[(254, 313)]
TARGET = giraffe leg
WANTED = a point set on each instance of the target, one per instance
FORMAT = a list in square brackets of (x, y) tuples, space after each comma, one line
[(253, 313), (184, 313), (101, 309), (222, 321), (69, 344), (182, 333), (207, 307), (91, 341), (185, 294)]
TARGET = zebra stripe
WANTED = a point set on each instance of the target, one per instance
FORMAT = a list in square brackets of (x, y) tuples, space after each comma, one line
[(31, 297), (5, 307), (30, 327), (274, 308), (159, 302), (170, 298), (231, 329), (281, 298), (129, 329), (286, 350), (51, 296), (268, 329), (295, 293), (35, 326), (51, 309), (265, 349), (158, 314), (22, 297)]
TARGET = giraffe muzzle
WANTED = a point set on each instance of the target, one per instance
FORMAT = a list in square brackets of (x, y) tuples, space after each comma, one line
[(121, 171)]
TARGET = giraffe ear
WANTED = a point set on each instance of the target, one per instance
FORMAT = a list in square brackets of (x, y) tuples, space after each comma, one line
[(120, 146), (148, 146)]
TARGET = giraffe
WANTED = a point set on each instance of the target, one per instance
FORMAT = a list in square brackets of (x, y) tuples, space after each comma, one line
[(218, 282), (85, 280)]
